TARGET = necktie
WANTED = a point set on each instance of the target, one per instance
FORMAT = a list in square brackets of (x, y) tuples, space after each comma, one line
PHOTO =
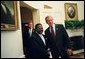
[(52, 33)]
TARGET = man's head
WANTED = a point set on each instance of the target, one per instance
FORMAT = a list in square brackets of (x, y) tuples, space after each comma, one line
[(30, 25), (39, 28), (49, 20)]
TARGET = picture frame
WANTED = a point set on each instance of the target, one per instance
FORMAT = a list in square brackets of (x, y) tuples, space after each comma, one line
[(9, 15), (71, 11)]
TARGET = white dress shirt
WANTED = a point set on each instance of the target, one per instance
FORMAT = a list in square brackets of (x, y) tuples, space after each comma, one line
[(30, 32), (43, 39)]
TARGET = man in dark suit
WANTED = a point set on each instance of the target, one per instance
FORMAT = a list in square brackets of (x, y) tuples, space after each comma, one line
[(37, 44), (6, 16), (58, 40), (27, 32)]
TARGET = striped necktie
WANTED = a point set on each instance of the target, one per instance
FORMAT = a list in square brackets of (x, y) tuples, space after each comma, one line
[(52, 33)]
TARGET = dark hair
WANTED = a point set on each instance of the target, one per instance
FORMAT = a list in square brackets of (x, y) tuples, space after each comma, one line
[(37, 25), (47, 17)]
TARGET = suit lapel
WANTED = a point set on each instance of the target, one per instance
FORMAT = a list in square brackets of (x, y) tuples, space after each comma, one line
[(56, 29), (49, 33), (39, 40)]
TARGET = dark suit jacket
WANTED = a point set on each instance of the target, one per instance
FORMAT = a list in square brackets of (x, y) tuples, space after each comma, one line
[(26, 37), (61, 41), (36, 47)]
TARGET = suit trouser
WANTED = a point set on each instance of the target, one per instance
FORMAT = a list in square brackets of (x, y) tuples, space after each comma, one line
[(56, 53)]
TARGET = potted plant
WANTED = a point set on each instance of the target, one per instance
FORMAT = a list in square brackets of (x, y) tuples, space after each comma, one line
[(74, 24), (74, 27)]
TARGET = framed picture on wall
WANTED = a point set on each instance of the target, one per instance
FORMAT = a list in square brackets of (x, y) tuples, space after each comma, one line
[(9, 20), (71, 12)]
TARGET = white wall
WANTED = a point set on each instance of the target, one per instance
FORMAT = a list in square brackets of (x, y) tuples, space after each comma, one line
[(57, 11), (34, 4), (59, 7), (11, 42)]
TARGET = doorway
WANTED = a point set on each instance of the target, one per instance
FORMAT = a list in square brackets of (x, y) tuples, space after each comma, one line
[(26, 16), (28, 13)]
